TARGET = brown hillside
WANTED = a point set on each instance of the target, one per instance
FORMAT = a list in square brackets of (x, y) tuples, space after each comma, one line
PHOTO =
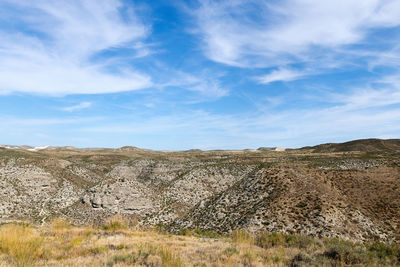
[(352, 195), (362, 145)]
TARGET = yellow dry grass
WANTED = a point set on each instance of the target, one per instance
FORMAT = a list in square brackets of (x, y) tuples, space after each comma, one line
[(61, 244), (21, 244)]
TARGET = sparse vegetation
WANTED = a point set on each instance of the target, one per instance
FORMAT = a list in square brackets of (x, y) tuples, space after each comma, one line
[(60, 243), (197, 208), (21, 243), (115, 223), (212, 192)]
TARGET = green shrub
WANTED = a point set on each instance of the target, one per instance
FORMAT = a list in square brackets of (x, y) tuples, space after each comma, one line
[(384, 251), (298, 241), (200, 233), (185, 232), (115, 223), (97, 250), (346, 251), (267, 240), (128, 259), (230, 251), (301, 259)]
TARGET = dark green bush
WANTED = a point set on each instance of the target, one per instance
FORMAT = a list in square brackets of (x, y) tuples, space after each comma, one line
[(346, 251), (301, 259), (384, 251)]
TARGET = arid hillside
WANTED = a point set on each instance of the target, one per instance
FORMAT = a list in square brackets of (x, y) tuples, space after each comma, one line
[(316, 192), (364, 145)]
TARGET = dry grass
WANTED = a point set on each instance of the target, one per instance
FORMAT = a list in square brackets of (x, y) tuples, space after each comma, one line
[(243, 237), (61, 244), (21, 243), (115, 223), (60, 224)]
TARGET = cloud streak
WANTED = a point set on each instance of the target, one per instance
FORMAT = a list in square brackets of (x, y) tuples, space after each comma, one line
[(80, 106), (360, 114), (263, 33), (246, 73), (282, 74), (52, 53)]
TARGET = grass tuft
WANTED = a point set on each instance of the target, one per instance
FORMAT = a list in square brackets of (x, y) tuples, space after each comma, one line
[(128, 259), (21, 243), (169, 258), (59, 224), (115, 223), (242, 237), (64, 245)]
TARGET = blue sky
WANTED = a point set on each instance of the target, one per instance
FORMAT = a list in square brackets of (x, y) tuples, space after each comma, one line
[(198, 74)]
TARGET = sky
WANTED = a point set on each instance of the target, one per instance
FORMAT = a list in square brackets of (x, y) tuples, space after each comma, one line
[(175, 75)]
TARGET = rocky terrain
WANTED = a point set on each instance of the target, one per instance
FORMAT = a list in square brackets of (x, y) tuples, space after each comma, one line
[(349, 190)]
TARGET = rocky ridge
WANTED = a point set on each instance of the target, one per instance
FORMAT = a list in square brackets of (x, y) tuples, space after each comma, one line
[(350, 195)]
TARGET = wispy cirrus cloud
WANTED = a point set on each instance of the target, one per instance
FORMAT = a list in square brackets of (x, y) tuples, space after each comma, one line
[(288, 128), (361, 113), (264, 34), (80, 106), (214, 86), (282, 74), (47, 47), (207, 86)]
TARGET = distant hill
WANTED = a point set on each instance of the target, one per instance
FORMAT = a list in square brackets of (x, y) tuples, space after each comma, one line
[(363, 145), (319, 195)]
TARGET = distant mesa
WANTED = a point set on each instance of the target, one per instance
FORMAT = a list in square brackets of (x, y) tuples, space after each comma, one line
[(372, 145), (271, 149)]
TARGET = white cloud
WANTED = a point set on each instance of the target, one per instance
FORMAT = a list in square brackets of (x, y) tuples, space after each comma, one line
[(80, 106), (359, 114), (265, 33), (282, 74), (52, 49), (292, 128), (362, 113), (206, 84), (210, 88)]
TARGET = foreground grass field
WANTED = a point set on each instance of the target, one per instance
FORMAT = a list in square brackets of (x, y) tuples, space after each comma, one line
[(115, 244)]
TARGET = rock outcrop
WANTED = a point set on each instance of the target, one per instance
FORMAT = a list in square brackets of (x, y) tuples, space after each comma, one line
[(352, 195)]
